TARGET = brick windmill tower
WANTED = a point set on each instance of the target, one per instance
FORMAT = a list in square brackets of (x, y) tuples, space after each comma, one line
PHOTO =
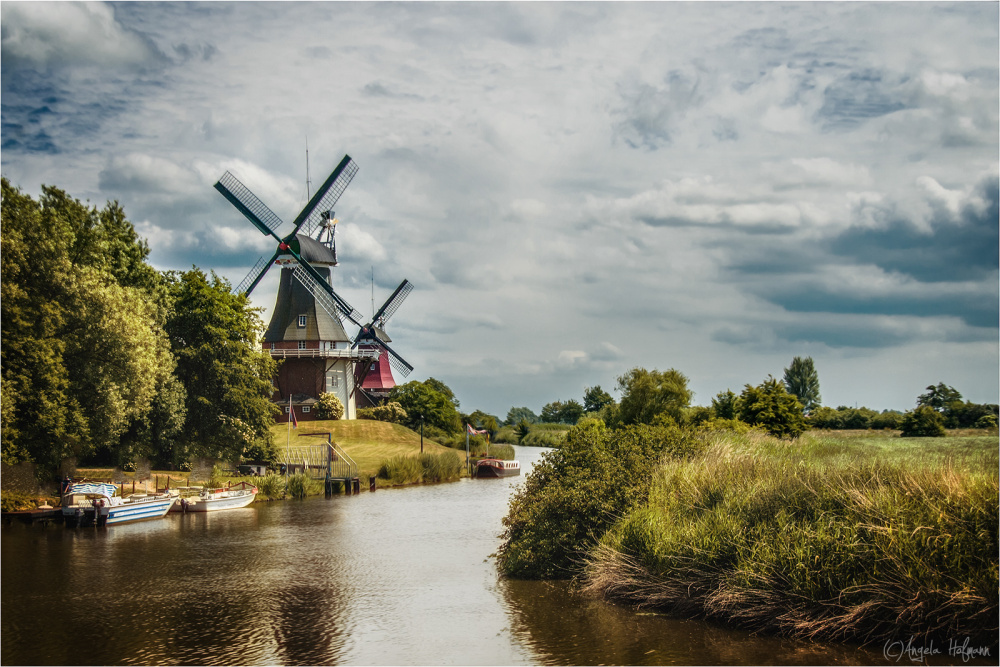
[(306, 331)]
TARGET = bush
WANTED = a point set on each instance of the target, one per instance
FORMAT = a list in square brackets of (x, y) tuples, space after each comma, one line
[(888, 420), (987, 421), (922, 422), (14, 501), (329, 407), (543, 438), (574, 494), (771, 406), (390, 412)]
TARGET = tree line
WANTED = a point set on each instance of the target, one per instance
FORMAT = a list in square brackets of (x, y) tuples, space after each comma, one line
[(108, 360), (784, 407)]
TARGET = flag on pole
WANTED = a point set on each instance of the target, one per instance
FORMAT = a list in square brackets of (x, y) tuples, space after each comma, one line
[(291, 414), (474, 431)]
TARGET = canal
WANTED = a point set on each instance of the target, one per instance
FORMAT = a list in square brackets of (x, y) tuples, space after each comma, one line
[(395, 577)]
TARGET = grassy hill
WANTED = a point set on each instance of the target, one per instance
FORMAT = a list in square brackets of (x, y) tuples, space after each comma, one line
[(368, 442)]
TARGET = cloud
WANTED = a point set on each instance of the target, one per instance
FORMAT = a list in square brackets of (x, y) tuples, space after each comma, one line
[(44, 34)]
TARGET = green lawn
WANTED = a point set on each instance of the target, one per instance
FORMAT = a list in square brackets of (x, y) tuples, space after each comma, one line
[(368, 442)]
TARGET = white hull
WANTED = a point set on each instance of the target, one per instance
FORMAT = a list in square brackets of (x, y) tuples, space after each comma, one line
[(137, 511), (89, 503), (225, 500)]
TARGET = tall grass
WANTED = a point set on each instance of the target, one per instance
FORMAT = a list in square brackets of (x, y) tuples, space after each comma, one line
[(301, 485), (270, 486), (400, 470), (824, 538)]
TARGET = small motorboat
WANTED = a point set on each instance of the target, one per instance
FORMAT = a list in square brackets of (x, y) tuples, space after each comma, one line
[(88, 503), (497, 468), (211, 500)]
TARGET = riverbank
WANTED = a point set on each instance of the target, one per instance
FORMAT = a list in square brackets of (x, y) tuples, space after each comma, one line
[(867, 539)]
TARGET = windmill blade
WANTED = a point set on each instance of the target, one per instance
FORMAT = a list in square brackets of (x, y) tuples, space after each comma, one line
[(329, 300), (256, 273), (247, 203), (327, 195), (398, 363), (393, 303)]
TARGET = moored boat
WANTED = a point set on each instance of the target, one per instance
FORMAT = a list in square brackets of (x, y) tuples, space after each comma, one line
[(211, 500), (86, 503), (497, 468)]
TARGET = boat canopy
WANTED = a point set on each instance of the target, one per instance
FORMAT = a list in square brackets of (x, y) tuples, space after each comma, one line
[(93, 487)]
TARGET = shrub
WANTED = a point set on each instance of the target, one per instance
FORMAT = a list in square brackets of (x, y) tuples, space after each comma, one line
[(888, 420), (922, 422), (771, 406), (391, 412), (543, 438), (13, 501), (329, 407), (575, 493), (987, 421)]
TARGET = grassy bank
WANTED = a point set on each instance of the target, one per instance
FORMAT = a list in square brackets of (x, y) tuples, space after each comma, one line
[(369, 443), (859, 538)]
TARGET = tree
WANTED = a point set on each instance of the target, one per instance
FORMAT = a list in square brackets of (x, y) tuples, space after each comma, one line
[(215, 338), (329, 407), (802, 381), (770, 406), (427, 399), (517, 415), (571, 412), (939, 397), (595, 398), (551, 412), (724, 405), (84, 352), (923, 422), (647, 394)]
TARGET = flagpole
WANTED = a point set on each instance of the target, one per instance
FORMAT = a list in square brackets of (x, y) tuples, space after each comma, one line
[(288, 442), (468, 467)]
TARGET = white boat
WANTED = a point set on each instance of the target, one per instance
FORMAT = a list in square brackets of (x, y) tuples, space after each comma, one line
[(87, 503), (211, 500)]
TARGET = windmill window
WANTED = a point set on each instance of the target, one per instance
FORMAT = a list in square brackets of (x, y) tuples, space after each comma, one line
[(286, 409), (302, 345), (302, 320), (306, 408)]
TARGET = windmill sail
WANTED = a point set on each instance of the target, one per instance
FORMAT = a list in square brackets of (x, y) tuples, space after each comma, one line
[(326, 196), (254, 209), (393, 303), (332, 303)]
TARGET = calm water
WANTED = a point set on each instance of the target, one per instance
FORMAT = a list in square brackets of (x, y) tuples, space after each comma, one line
[(396, 577)]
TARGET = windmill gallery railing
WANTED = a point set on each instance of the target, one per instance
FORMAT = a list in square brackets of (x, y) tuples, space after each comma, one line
[(372, 354)]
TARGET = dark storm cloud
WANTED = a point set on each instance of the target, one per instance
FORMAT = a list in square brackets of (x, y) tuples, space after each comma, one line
[(960, 246)]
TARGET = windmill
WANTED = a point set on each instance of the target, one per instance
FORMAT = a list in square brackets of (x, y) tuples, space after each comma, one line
[(306, 327), (375, 379)]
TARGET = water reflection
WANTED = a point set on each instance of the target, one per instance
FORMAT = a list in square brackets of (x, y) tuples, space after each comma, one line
[(564, 628)]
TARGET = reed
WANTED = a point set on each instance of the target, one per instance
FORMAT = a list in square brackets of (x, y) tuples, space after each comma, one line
[(270, 486), (400, 470), (441, 467), (826, 538), (301, 485)]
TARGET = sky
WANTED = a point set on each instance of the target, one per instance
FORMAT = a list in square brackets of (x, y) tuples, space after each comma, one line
[(574, 189)]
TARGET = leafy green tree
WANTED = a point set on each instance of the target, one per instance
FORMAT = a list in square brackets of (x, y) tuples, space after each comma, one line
[(426, 398), (329, 407), (517, 415), (939, 397), (83, 346), (770, 406), (595, 398), (551, 412), (215, 338), (647, 394), (522, 429), (724, 405), (923, 422), (571, 412), (802, 381), (887, 419)]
